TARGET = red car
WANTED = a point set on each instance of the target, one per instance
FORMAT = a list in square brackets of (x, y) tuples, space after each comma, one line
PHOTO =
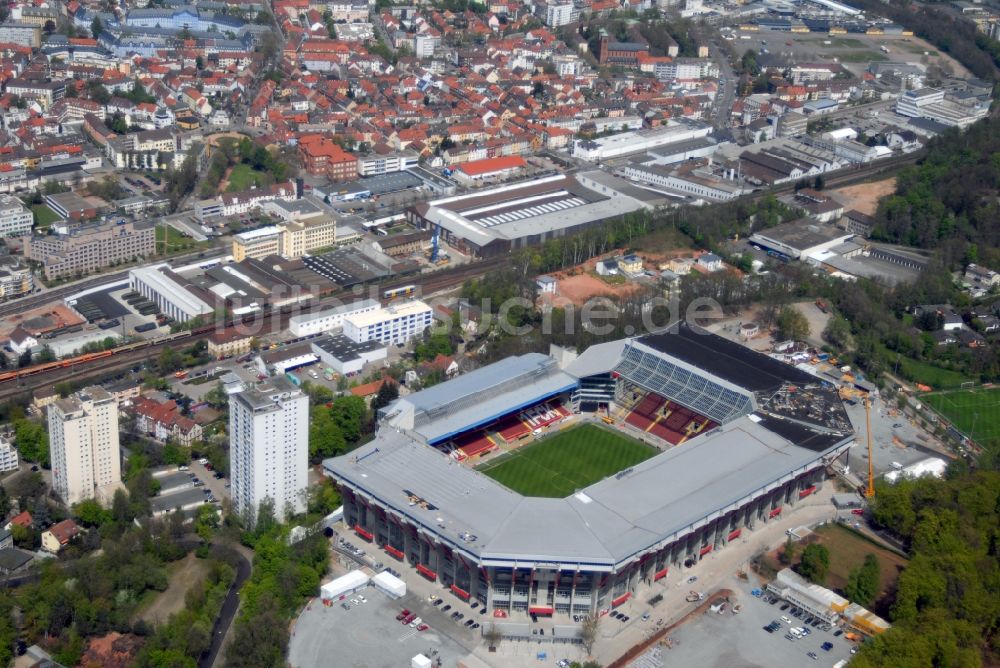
[(858, 511), (401, 615), (409, 618), (422, 627)]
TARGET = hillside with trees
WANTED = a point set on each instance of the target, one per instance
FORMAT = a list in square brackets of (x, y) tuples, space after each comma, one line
[(949, 202), (947, 605)]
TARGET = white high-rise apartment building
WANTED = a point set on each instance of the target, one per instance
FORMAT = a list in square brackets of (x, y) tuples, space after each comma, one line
[(83, 445), (269, 447)]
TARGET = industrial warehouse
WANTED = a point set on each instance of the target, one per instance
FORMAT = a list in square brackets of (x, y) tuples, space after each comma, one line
[(493, 222), (737, 437)]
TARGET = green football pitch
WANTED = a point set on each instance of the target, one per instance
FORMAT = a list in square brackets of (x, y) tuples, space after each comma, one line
[(563, 463), (976, 413)]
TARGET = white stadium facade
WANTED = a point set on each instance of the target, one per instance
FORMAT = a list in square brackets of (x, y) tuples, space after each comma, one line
[(742, 438)]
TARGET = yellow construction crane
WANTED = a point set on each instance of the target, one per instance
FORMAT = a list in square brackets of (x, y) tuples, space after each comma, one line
[(870, 491)]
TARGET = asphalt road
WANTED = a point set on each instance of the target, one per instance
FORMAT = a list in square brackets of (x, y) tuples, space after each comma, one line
[(227, 613)]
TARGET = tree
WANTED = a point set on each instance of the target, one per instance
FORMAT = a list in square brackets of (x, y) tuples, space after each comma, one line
[(169, 361), (324, 498), (387, 393), (589, 627), (787, 555), (96, 26), (792, 324), (349, 413), (32, 441), (864, 582), (217, 397), (90, 513), (325, 436), (815, 563)]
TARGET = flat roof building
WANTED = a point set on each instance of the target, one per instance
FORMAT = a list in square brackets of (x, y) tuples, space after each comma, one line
[(307, 324), (637, 141), (269, 448), (497, 220), (82, 250), (83, 438), (800, 238), (397, 323), (345, 356), (175, 296)]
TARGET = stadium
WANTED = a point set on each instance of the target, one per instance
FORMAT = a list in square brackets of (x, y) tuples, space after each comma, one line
[(625, 464)]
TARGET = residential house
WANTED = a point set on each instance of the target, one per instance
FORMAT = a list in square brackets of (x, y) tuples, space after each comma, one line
[(710, 262), (981, 276), (59, 536), (546, 285), (163, 421), (22, 519)]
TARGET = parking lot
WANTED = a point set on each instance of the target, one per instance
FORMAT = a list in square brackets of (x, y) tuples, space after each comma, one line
[(369, 635), (747, 644)]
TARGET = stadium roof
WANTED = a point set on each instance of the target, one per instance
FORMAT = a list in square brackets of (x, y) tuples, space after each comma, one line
[(598, 527), (725, 359), (598, 358), (479, 397)]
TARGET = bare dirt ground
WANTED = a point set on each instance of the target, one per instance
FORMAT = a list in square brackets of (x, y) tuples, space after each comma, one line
[(865, 197), (183, 575), (578, 284), (43, 319)]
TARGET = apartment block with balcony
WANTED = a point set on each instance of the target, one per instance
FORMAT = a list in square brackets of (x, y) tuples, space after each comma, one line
[(86, 249)]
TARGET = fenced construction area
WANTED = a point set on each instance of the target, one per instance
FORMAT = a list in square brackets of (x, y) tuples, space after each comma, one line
[(974, 412), (561, 464)]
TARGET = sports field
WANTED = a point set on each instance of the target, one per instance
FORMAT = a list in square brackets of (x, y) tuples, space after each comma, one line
[(975, 413), (568, 461)]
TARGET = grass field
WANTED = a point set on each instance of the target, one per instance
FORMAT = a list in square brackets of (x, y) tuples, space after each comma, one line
[(44, 216), (848, 551), (568, 461), (860, 56), (244, 178), (976, 413), (923, 372)]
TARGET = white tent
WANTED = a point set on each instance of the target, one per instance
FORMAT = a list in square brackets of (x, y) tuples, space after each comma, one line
[(420, 661), (344, 584), (389, 584)]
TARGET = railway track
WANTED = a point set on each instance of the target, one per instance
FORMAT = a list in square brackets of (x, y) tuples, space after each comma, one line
[(428, 284), (263, 323)]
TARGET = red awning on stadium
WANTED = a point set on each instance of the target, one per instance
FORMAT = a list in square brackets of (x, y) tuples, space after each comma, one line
[(541, 610), (459, 592), (705, 550), (394, 552), (735, 533), (367, 535), (426, 572), (807, 491), (775, 512), (659, 575), (621, 599)]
